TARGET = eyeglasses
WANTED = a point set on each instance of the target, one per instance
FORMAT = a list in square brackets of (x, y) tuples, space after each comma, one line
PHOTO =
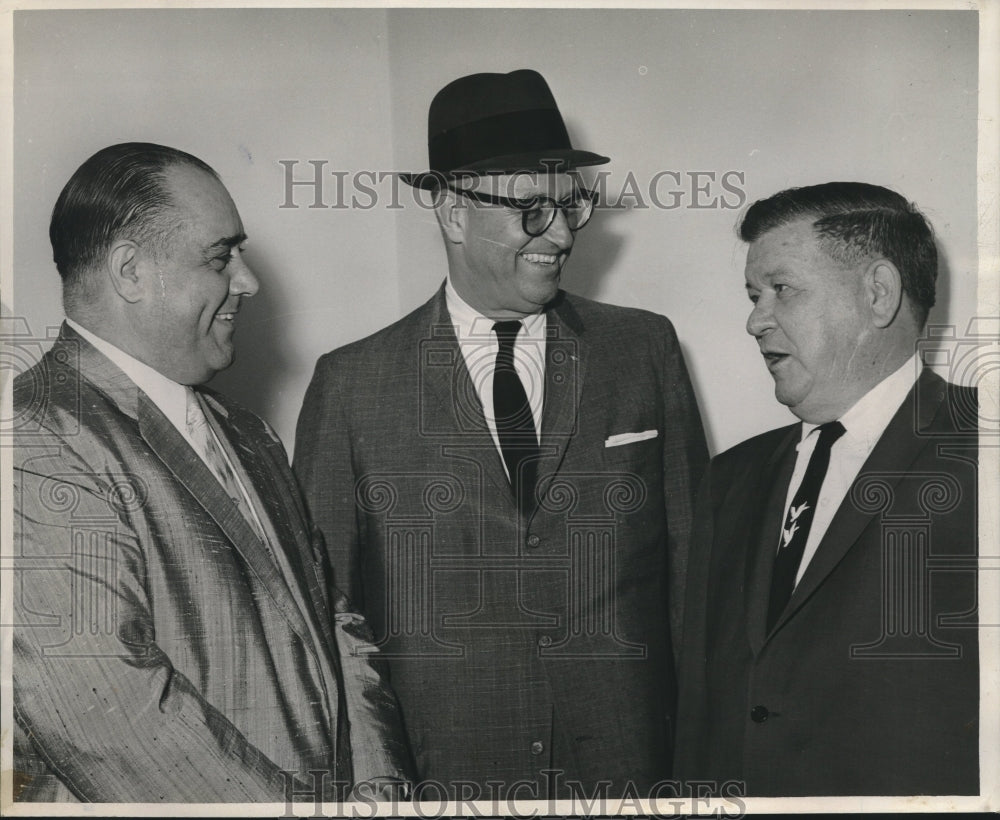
[(539, 212)]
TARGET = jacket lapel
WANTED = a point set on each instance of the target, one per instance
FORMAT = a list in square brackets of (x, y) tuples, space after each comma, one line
[(454, 406), (72, 350), (455, 395), (171, 448), (272, 500), (767, 505), (892, 456), (566, 354), (299, 591)]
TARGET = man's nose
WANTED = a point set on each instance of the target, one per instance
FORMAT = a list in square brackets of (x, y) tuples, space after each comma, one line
[(760, 319), (242, 280), (558, 232)]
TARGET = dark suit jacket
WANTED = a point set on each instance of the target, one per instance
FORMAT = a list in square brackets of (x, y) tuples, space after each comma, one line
[(869, 682), (160, 654), (516, 644)]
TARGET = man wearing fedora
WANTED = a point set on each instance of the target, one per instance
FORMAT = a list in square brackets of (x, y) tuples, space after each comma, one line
[(505, 478)]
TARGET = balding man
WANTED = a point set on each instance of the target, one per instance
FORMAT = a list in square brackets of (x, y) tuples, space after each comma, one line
[(177, 636)]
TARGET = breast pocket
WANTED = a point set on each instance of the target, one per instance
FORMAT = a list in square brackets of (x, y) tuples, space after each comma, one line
[(636, 454)]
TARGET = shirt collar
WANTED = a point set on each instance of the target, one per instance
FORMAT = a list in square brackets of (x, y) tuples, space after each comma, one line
[(167, 395), (469, 322), (866, 421)]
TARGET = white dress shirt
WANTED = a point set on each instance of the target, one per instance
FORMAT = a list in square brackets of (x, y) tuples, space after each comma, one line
[(479, 347), (172, 400), (864, 425), (169, 396)]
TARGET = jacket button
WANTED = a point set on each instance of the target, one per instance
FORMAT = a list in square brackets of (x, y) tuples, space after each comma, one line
[(537, 747), (534, 540), (759, 714), (545, 640)]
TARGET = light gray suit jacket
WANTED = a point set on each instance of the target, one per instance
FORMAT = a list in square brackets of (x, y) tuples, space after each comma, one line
[(160, 653)]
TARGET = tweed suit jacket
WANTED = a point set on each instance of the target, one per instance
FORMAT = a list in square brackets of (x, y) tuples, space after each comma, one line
[(160, 652), (517, 642), (868, 683)]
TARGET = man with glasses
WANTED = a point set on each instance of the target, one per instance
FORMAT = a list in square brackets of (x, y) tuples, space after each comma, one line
[(505, 478)]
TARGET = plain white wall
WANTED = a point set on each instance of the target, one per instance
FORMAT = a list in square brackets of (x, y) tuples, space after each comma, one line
[(241, 89), (786, 98)]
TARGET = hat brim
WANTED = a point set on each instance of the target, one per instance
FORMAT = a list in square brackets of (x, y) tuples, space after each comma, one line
[(555, 161)]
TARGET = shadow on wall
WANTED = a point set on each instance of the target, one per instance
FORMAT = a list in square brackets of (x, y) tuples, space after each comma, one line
[(598, 246), (941, 312), (699, 394), (594, 255), (264, 349)]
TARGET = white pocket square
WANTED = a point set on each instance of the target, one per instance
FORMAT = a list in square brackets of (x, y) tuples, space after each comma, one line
[(628, 438)]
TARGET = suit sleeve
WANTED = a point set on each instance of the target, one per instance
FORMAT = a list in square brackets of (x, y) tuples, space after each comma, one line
[(323, 464), (692, 649), (685, 455), (100, 702), (379, 748)]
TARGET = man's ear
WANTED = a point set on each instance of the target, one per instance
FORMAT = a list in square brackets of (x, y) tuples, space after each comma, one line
[(123, 269), (885, 291), (452, 215)]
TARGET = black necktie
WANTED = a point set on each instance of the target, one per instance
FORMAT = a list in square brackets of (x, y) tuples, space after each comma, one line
[(515, 424), (795, 530)]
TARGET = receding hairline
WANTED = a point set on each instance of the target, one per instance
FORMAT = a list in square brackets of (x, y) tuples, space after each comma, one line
[(173, 188)]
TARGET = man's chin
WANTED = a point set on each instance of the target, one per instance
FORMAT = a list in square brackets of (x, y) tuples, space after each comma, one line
[(222, 360), (542, 296), (811, 412), (790, 399)]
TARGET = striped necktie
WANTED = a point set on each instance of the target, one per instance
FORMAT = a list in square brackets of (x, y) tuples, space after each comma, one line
[(216, 460)]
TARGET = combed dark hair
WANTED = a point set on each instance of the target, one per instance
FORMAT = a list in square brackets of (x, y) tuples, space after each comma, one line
[(857, 221), (118, 192)]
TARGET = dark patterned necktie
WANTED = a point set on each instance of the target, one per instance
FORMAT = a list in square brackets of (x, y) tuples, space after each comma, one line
[(795, 530), (515, 423)]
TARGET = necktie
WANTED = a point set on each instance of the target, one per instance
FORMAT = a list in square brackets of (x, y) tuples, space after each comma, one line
[(795, 530), (211, 453), (515, 424)]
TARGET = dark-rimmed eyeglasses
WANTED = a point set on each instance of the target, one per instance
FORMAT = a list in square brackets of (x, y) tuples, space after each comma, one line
[(539, 212)]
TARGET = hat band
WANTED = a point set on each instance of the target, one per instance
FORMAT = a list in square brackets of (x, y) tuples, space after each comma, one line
[(514, 132)]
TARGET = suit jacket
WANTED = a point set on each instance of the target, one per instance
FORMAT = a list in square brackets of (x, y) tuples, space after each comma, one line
[(868, 684), (517, 643), (160, 652)]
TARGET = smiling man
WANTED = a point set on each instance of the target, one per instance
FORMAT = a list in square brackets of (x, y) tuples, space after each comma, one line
[(505, 478), (830, 642), (177, 636)]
